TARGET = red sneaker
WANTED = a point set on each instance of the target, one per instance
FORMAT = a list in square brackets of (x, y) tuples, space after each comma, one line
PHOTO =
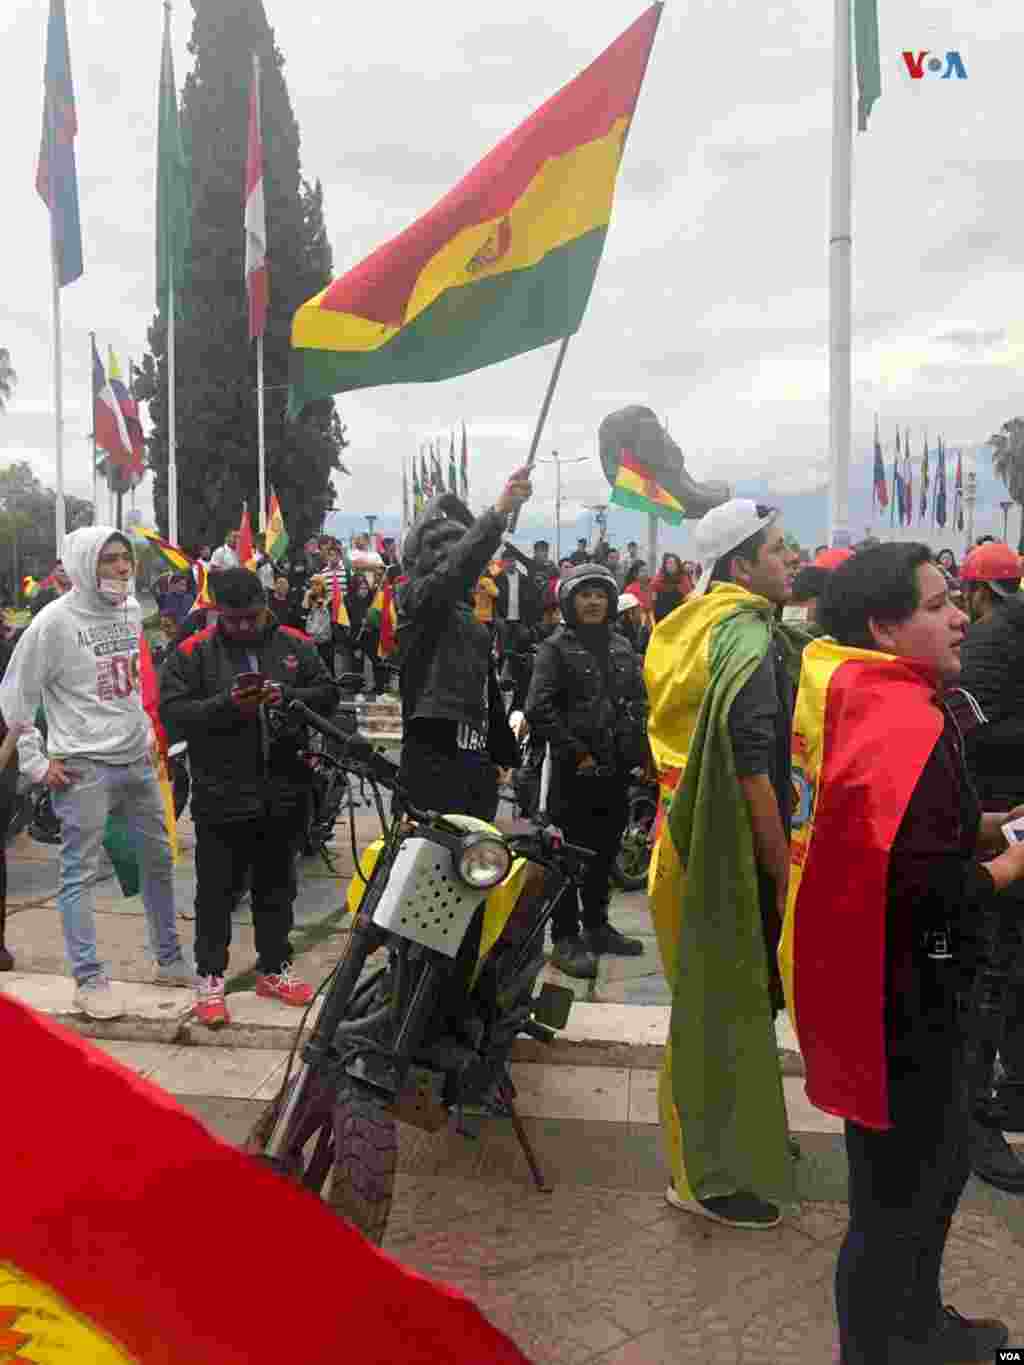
[(286, 987), (210, 1008)]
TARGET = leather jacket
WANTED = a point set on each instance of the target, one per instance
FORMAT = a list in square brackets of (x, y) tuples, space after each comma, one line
[(571, 706), (992, 670)]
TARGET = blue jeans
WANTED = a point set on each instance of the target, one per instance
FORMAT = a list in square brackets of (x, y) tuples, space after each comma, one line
[(100, 789)]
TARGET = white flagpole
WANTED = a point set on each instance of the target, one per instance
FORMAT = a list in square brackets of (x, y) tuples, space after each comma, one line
[(60, 517), (840, 253), (92, 443), (262, 441), (172, 436)]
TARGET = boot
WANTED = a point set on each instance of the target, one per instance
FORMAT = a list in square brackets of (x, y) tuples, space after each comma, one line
[(993, 1159)]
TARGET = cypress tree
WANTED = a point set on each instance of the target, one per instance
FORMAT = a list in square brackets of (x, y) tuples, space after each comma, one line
[(215, 361)]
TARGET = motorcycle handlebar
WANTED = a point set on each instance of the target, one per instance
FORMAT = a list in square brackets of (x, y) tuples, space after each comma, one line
[(355, 751)]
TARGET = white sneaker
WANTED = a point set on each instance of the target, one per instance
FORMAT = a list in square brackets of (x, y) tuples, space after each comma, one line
[(96, 999), (174, 974)]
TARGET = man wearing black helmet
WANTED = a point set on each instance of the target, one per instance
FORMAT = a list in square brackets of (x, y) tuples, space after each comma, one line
[(587, 702), (455, 732)]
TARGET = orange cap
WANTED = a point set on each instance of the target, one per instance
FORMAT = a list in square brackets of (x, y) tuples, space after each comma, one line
[(993, 562), (831, 559)]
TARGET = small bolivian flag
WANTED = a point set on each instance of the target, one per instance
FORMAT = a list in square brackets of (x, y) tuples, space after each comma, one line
[(638, 489)]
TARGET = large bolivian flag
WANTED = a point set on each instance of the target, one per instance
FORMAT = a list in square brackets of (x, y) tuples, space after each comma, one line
[(720, 1093), (132, 1236), (505, 262), (864, 727)]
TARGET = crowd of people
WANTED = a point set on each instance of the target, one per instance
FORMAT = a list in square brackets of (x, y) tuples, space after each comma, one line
[(706, 677)]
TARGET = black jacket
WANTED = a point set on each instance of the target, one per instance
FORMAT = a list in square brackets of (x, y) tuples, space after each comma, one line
[(240, 770), (992, 670), (574, 708), (444, 652)]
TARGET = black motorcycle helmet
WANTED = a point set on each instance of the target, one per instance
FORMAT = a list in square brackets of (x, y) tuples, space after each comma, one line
[(590, 576)]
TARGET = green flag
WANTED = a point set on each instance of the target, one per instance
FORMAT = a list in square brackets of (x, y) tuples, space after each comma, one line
[(869, 71), (173, 190)]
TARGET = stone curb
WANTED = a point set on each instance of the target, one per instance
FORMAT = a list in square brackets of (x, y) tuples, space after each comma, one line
[(162, 1015)]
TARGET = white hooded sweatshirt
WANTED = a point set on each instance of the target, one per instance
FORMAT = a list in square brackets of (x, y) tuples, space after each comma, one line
[(80, 658)]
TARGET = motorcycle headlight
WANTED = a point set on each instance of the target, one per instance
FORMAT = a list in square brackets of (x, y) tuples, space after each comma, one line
[(483, 862)]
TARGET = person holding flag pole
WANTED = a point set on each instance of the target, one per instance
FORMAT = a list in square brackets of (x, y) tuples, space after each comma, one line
[(257, 281)]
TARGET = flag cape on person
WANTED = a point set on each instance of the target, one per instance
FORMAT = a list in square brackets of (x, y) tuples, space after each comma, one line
[(881, 490), (100, 1254), (110, 431), (720, 1093), (117, 837), (130, 412), (174, 555), (56, 175), (384, 617), (339, 612), (464, 468), (245, 552), (257, 280), (638, 489), (277, 536), (504, 263), (864, 727)]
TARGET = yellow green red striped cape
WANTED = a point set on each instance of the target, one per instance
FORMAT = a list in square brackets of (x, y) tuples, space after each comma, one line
[(864, 727), (505, 262), (720, 1094)]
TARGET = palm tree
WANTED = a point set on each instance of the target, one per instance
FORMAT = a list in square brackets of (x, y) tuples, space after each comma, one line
[(1008, 461), (7, 378)]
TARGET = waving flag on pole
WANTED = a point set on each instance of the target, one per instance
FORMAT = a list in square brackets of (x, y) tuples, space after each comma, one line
[(130, 412), (504, 263), (277, 536), (425, 484), (417, 491), (958, 492), (464, 468), (925, 482), (174, 555), (56, 174), (245, 550), (107, 418), (257, 280), (453, 477), (881, 489)]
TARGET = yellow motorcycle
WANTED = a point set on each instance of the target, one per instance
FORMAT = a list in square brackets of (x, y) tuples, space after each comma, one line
[(461, 911)]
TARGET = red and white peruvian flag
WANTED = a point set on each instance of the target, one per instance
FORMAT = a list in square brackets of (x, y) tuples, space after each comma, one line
[(256, 278)]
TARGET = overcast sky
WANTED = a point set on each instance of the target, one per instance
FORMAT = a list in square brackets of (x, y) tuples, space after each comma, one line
[(711, 303)]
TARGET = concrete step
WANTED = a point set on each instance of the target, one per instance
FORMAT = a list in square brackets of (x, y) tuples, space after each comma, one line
[(627, 1037)]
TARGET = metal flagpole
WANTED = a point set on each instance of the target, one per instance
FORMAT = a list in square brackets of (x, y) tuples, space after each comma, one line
[(261, 434), (262, 441), (840, 254), (92, 439), (172, 436), (60, 518)]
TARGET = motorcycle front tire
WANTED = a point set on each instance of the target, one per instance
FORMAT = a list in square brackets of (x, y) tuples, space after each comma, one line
[(362, 1181)]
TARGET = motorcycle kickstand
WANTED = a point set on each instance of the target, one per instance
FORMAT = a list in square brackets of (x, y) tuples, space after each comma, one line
[(505, 1094)]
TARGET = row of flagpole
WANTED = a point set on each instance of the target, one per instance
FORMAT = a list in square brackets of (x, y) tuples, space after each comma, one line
[(933, 505), (428, 481), (57, 186)]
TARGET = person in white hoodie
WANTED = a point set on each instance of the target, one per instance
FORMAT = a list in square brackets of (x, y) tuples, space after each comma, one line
[(80, 659)]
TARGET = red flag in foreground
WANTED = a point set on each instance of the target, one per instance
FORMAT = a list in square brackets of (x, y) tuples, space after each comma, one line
[(102, 1261), (256, 278)]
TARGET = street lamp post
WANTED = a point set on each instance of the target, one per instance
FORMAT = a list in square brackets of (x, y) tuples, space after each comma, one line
[(557, 461), (1006, 513), (369, 521)]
